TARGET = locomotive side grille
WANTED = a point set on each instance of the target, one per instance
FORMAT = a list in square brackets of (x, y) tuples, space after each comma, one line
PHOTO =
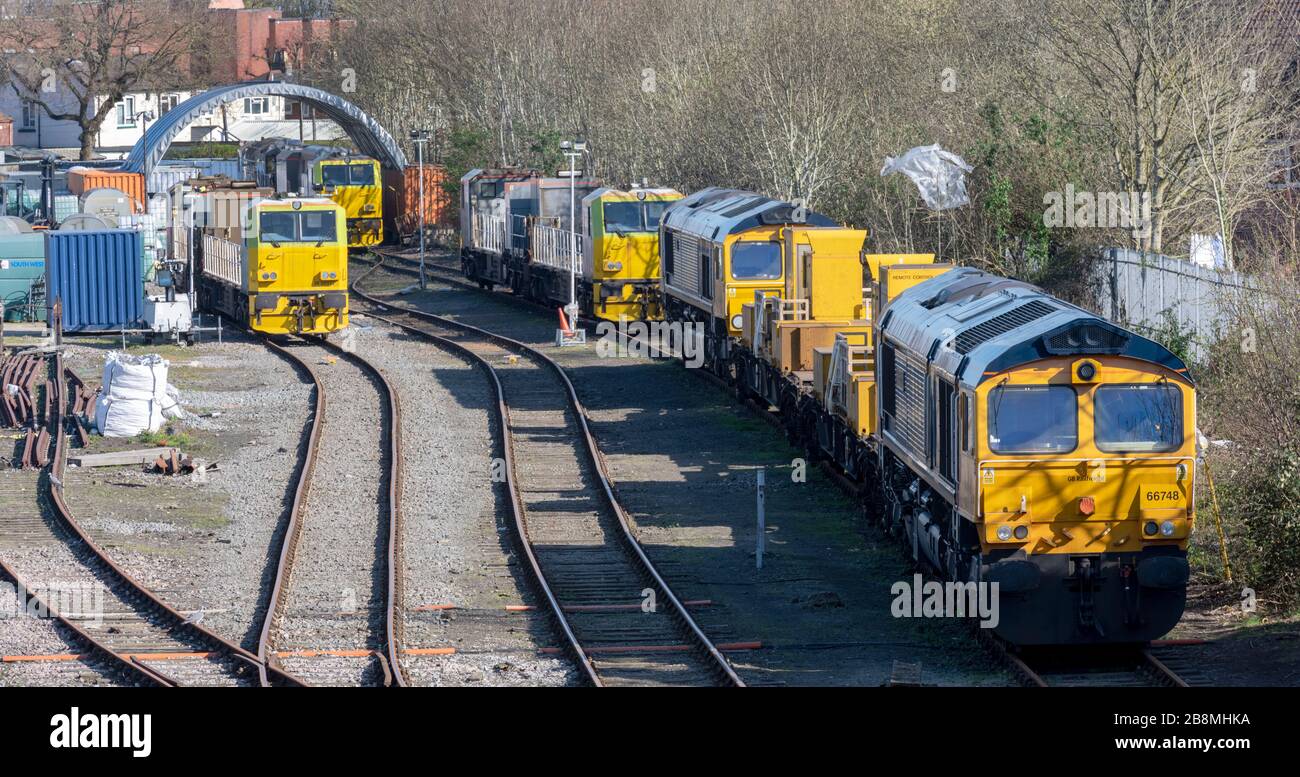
[(686, 263), (981, 333), (909, 399)]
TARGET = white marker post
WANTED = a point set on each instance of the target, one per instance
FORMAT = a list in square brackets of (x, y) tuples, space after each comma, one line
[(762, 518)]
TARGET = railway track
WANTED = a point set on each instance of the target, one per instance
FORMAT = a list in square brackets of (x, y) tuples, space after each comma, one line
[(332, 607), (1119, 666), (620, 621), (97, 603)]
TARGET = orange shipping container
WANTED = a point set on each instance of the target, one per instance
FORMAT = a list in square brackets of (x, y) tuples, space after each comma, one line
[(402, 198), (85, 179)]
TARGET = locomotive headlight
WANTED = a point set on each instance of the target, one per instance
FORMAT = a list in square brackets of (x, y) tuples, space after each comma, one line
[(1150, 529), (1004, 533), (1022, 532), (737, 321), (1167, 528)]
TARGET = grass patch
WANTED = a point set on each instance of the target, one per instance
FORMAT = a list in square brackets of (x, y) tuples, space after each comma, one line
[(166, 438)]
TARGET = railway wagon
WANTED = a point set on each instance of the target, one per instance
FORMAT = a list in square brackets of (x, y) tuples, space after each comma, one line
[(516, 232), (1008, 437), (286, 272), (720, 249)]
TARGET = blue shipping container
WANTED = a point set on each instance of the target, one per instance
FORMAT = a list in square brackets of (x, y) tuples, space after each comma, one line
[(96, 275)]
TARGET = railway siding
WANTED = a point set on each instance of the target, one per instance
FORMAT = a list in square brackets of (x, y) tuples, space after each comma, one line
[(682, 454), (469, 617)]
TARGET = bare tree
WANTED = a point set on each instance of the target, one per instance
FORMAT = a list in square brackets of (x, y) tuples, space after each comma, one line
[(1150, 80), (78, 60)]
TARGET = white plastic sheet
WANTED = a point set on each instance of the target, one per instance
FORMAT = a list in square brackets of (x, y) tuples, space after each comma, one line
[(136, 397), (939, 175)]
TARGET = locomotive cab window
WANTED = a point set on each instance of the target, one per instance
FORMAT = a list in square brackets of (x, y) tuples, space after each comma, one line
[(1033, 419), (334, 175), (278, 228), (362, 174), (1144, 418), (318, 227), (309, 227), (654, 212), (626, 217), (756, 261)]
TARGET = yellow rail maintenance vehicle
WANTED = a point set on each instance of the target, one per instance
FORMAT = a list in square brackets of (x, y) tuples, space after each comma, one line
[(722, 249), (284, 270), (619, 244), (355, 183), (1009, 438)]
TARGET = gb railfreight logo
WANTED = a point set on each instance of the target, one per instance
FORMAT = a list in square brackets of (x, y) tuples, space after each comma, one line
[(91, 732)]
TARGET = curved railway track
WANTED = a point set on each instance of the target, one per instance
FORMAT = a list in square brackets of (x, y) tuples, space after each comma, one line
[(621, 622), (358, 642), (141, 637)]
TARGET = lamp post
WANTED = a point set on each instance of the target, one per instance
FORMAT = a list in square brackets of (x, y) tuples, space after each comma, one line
[(573, 150), (420, 137)]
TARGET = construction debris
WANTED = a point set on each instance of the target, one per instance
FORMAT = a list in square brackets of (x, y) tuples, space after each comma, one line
[(18, 376), (121, 458), (173, 463)]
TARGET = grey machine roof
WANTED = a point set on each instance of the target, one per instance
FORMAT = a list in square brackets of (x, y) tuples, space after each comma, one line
[(972, 325), (714, 213)]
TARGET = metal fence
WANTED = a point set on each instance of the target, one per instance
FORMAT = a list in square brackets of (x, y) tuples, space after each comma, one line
[(1149, 292)]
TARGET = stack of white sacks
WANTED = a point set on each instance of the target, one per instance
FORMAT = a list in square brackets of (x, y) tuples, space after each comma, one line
[(136, 397)]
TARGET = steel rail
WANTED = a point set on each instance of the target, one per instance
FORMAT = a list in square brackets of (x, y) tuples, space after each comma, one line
[(389, 657), (678, 610), (1163, 674), (148, 600)]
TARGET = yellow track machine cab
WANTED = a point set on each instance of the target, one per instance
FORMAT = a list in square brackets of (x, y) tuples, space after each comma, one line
[(722, 249), (620, 252), (1029, 443), (355, 183), (288, 275)]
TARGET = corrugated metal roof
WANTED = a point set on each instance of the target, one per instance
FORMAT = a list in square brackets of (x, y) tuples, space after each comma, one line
[(715, 212), (970, 324), (371, 138)]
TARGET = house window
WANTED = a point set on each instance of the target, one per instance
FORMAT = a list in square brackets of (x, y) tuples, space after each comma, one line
[(256, 106), (126, 112), (295, 110), (167, 102), (29, 117)]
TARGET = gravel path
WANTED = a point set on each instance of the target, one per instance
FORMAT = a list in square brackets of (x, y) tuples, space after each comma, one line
[(335, 600), (459, 568)]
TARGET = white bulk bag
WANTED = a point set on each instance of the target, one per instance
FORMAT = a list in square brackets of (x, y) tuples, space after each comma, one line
[(135, 396)]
